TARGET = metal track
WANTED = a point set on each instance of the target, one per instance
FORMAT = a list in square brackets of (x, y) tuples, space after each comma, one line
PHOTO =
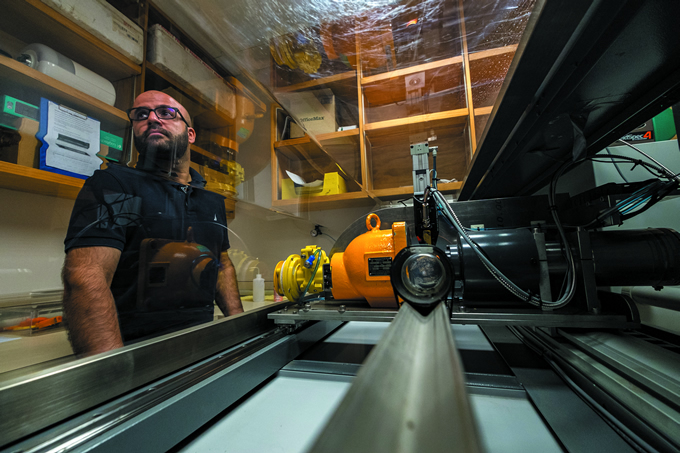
[(622, 386), (155, 418), (328, 312), (409, 396), (50, 396)]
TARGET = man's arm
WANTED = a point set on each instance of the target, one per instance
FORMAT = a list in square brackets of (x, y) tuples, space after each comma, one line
[(227, 295), (89, 308)]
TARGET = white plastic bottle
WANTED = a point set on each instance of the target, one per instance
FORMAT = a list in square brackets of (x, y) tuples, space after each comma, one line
[(258, 288)]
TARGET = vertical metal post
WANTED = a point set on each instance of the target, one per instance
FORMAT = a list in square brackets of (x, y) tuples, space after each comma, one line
[(421, 166), (544, 282), (588, 271)]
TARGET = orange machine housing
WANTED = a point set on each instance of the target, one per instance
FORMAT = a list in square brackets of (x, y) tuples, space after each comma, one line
[(360, 273)]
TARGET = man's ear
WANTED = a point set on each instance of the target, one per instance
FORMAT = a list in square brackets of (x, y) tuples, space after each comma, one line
[(192, 134)]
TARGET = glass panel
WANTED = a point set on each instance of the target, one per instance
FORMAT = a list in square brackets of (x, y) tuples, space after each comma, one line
[(304, 114)]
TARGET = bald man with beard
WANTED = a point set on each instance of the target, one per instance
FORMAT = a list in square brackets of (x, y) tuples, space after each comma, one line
[(118, 211)]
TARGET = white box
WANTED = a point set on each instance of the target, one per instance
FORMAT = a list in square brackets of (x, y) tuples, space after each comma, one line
[(106, 23), (166, 52), (313, 110)]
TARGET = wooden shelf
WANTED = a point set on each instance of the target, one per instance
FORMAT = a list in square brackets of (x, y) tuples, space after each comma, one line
[(412, 70), (407, 191), (212, 117), (31, 21), (483, 54), (488, 69), (451, 100), (339, 152), (318, 83), (259, 105), (483, 111), (452, 117), (339, 201), (321, 137), (436, 81), (22, 78), (343, 85), (41, 182), (335, 135), (199, 150)]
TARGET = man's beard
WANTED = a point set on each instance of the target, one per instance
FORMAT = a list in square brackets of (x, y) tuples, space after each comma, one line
[(165, 153)]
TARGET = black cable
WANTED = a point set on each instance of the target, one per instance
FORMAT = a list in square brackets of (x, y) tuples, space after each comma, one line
[(652, 189), (617, 166)]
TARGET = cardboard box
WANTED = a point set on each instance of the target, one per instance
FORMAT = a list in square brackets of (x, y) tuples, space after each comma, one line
[(313, 110), (106, 23), (171, 56)]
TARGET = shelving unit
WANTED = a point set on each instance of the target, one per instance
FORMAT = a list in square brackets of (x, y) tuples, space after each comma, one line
[(17, 75), (344, 79), (304, 157), (448, 95), (229, 202), (32, 21), (453, 100), (208, 117), (32, 180), (211, 118), (345, 200)]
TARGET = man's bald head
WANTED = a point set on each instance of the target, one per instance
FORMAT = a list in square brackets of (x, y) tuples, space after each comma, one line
[(153, 98), (163, 141)]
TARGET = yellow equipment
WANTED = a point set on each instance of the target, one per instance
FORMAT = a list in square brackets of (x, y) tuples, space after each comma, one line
[(362, 271), (301, 274)]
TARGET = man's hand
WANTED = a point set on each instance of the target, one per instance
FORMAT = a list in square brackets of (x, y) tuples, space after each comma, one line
[(227, 295), (89, 307)]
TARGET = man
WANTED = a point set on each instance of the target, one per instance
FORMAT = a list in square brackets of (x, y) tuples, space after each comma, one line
[(123, 216)]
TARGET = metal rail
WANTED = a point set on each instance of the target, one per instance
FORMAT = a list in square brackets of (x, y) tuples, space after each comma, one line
[(293, 315), (626, 393), (179, 404), (43, 398)]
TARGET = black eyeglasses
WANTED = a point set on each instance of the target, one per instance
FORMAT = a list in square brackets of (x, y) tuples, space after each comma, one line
[(162, 113)]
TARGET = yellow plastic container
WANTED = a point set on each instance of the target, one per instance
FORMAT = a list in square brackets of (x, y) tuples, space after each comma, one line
[(333, 184)]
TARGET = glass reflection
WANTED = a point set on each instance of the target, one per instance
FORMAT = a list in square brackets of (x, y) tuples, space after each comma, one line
[(383, 75)]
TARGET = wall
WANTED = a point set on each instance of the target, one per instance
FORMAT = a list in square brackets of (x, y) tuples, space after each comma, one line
[(32, 231), (272, 237), (33, 227)]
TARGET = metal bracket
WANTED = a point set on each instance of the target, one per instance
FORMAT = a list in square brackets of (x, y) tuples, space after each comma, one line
[(419, 153), (588, 271), (544, 282)]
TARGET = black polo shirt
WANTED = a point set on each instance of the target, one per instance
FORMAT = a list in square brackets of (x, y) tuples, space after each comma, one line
[(120, 207)]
